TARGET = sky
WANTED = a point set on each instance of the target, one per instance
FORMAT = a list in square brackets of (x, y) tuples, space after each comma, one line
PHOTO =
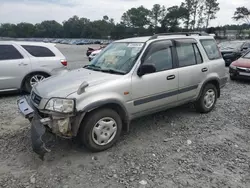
[(35, 11)]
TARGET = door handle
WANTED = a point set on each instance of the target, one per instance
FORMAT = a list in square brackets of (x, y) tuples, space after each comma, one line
[(171, 77), (204, 69), (23, 64)]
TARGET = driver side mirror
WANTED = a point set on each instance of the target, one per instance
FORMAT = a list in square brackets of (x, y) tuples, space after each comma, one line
[(146, 69)]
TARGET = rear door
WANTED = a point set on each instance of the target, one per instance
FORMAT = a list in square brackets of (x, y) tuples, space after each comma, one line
[(14, 65), (44, 57), (192, 70)]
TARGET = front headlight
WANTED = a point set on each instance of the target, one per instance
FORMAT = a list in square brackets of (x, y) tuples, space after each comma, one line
[(61, 105), (233, 67)]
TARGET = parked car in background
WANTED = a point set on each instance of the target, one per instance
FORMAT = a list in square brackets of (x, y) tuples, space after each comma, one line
[(90, 50), (97, 42), (232, 50), (94, 53), (131, 78), (57, 40), (91, 53), (73, 42), (65, 41), (81, 42), (240, 69), (24, 64)]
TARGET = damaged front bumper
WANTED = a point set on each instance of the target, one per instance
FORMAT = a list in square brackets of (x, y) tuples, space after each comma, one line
[(42, 127), (38, 137)]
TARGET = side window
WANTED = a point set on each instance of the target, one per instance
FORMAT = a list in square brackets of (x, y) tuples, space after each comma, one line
[(186, 55), (197, 54), (38, 51), (160, 55), (9, 52), (211, 49)]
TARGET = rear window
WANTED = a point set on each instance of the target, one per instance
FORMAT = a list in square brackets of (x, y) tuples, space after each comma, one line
[(38, 51), (211, 49), (9, 52)]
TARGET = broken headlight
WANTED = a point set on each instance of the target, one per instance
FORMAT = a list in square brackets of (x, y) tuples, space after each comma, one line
[(61, 105)]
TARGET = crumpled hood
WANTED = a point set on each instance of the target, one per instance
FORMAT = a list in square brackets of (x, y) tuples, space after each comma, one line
[(64, 84)]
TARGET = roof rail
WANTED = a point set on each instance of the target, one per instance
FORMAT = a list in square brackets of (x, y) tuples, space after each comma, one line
[(179, 33)]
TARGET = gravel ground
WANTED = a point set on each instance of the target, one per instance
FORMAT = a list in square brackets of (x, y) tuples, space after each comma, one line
[(174, 148)]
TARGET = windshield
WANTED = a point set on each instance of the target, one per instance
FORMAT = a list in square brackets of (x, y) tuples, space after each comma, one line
[(247, 55), (231, 45), (117, 57)]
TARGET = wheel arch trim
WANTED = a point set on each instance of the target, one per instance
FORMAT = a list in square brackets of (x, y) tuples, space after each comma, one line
[(100, 104)]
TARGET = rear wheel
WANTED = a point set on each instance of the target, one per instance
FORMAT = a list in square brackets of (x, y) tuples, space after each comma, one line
[(207, 100), (100, 130), (33, 79)]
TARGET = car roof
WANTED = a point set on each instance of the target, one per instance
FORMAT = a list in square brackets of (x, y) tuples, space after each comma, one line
[(147, 38), (27, 43)]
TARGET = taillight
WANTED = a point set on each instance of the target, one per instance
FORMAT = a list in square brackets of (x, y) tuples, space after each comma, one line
[(64, 62)]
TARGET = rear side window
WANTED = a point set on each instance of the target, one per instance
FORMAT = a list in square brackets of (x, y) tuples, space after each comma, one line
[(9, 52), (38, 51), (186, 55), (211, 49)]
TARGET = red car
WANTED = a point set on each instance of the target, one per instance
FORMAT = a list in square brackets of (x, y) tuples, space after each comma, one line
[(90, 50), (240, 69)]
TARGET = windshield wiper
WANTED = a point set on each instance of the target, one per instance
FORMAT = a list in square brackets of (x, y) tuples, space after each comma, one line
[(92, 67), (113, 71)]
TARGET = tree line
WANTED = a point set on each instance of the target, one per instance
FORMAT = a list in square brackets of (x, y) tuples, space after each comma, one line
[(190, 15)]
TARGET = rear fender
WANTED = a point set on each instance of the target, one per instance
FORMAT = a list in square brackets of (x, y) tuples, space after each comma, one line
[(213, 80)]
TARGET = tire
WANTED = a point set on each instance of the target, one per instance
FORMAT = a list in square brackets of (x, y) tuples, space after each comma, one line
[(88, 136), (27, 83), (232, 78), (201, 104)]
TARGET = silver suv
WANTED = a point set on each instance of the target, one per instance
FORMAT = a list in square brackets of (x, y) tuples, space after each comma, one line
[(130, 78)]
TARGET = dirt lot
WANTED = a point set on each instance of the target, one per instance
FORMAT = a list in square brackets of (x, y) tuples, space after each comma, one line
[(175, 148)]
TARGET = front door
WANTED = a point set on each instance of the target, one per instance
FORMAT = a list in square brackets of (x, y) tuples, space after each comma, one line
[(13, 66), (158, 89)]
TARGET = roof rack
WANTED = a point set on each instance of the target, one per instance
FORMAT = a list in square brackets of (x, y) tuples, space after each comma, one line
[(179, 33)]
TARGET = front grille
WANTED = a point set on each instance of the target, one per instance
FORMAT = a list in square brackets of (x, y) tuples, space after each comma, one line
[(241, 69), (35, 98)]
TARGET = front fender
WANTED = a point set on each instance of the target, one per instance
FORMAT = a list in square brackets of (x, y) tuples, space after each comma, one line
[(92, 103), (100, 103)]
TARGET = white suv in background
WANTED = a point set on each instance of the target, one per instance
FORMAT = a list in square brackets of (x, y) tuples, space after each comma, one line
[(23, 64)]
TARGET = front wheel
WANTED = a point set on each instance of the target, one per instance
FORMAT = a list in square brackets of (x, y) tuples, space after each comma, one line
[(207, 100), (100, 129)]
